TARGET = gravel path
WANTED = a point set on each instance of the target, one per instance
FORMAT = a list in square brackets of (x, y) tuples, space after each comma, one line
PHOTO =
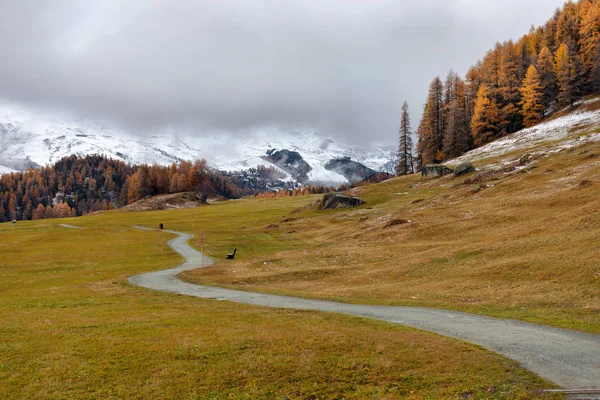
[(570, 359)]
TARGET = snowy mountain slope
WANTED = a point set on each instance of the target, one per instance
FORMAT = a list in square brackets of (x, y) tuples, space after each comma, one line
[(6, 170), (32, 139), (28, 139)]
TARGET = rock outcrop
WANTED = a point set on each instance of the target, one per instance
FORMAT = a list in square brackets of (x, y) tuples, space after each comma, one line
[(435, 170), (351, 170), (289, 161), (336, 200), (463, 169), (166, 202)]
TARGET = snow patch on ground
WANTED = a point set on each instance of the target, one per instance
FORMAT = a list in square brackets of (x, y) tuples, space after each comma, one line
[(589, 101), (566, 130)]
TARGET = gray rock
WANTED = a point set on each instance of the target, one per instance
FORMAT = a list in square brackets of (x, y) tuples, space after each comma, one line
[(289, 161), (435, 171), (463, 169), (336, 200), (351, 170)]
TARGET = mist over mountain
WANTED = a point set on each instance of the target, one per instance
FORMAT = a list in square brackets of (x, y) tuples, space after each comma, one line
[(32, 139), (339, 67)]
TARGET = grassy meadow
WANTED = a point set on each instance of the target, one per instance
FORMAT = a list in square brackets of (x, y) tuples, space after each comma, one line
[(520, 245), (72, 327)]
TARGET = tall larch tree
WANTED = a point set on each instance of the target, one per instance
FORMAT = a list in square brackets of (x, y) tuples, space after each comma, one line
[(431, 131), (549, 36), (12, 207), (473, 81), (530, 46), (457, 134), (545, 67), (449, 88), (533, 94), (39, 212), (405, 159), (509, 83), (486, 117), (448, 97), (589, 45), (437, 113), (567, 27), (490, 71), (565, 76)]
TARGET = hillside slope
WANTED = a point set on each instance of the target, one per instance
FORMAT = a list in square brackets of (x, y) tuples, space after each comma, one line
[(516, 239)]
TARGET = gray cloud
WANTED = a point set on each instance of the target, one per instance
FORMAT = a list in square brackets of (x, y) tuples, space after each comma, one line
[(342, 67)]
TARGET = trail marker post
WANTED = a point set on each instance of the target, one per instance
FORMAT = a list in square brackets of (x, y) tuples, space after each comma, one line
[(201, 244)]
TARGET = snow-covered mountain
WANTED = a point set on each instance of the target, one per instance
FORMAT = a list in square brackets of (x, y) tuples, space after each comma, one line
[(32, 139), (6, 170)]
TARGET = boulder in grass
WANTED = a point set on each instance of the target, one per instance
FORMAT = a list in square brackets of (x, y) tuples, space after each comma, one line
[(463, 169), (336, 200), (435, 171)]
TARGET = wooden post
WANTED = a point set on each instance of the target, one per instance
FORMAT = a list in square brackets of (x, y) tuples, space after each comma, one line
[(201, 243)]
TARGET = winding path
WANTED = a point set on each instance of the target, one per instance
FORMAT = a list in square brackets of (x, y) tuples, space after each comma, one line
[(570, 359)]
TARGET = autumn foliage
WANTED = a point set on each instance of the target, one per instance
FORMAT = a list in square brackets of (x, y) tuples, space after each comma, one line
[(76, 186), (515, 85), (532, 94)]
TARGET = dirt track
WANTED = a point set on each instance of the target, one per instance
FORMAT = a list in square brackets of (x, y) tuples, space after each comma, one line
[(571, 359)]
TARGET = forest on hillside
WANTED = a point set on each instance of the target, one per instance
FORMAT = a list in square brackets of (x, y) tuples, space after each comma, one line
[(75, 186), (515, 85)]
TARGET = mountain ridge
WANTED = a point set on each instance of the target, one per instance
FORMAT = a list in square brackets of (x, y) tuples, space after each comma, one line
[(29, 140)]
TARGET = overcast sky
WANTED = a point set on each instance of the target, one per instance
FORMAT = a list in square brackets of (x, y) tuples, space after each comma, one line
[(342, 67)]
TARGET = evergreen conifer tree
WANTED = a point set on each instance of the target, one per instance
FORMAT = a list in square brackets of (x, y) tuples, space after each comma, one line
[(405, 160)]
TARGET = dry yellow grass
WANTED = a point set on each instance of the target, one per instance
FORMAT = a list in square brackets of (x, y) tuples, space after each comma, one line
[(71, 327), (519, 245)]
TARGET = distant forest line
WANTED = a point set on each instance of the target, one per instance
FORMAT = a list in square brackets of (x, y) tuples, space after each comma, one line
[(75, 186)]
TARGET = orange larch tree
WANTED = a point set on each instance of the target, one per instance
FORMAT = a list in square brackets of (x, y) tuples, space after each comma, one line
[(486, 117), (565, 76), (532, 101)]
